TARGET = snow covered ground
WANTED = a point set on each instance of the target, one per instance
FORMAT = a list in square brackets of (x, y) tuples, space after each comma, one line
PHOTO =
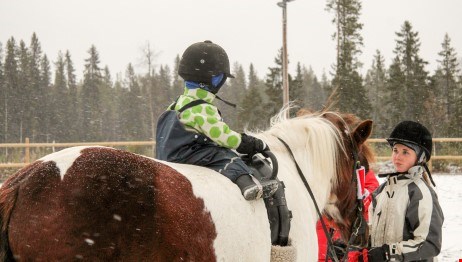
[(449, 188)]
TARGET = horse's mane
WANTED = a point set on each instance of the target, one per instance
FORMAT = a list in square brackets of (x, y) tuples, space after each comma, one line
[(321, 142)]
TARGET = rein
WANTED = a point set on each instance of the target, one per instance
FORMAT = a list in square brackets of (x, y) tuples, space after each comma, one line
[(358, 226), (308, 188)]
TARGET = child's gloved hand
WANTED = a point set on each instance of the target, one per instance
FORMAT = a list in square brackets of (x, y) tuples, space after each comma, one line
[(251, 145), (378, 253)]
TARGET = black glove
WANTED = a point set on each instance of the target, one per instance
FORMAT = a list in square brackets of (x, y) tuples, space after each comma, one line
[(251, 145), (378, 253)]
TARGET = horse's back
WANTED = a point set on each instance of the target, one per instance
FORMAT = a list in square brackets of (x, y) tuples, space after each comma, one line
[(243, 232), (104, 204)]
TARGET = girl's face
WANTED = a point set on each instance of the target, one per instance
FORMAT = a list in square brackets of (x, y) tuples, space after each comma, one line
[(403, 157)]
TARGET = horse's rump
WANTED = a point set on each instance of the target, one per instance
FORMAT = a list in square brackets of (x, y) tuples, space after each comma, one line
[(109, 205)]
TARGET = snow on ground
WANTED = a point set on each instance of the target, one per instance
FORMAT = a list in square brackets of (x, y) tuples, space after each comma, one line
[(449, 189)]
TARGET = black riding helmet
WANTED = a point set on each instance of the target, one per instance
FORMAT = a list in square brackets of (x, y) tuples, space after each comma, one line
[(202, 60), (413, 133)]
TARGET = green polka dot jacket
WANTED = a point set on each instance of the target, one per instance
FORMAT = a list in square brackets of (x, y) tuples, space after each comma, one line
[(206, 119)]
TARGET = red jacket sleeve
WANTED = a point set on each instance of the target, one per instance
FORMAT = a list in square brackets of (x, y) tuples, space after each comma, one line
[(371, 183)]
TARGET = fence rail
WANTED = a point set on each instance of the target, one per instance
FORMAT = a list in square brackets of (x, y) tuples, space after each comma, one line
[(27, 146)]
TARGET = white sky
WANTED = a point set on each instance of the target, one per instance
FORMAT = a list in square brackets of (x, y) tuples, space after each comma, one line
[(249, 30)]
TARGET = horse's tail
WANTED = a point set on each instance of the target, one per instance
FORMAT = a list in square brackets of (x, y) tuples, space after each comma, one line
[(8, 196)]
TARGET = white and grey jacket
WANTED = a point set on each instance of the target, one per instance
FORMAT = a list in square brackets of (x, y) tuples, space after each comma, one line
[(406, 215)]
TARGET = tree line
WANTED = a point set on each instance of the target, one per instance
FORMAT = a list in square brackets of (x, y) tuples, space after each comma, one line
[(100, 107)]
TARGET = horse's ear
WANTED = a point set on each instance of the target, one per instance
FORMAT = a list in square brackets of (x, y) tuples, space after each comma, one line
[(362, 132)]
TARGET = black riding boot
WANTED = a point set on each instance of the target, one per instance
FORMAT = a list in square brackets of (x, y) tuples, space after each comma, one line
[(253, 190)]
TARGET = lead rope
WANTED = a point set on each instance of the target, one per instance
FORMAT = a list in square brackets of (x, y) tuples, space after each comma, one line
[(308, 188)]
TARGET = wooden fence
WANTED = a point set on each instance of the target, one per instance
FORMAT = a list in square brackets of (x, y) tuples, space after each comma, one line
[(435, 154), (27, 147), (58, 146)]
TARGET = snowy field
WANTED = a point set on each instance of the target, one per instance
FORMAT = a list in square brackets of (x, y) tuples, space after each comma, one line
[(449, 188)]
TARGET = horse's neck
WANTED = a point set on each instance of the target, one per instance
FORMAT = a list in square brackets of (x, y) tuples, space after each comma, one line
[(318, 180), (316, 162)]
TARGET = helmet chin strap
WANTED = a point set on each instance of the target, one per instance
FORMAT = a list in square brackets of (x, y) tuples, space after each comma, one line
[(422, 161), (217, 82), (429, 174), (226, 102), (421, 158)]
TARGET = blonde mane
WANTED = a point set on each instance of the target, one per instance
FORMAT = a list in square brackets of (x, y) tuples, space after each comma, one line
[(313, 139)]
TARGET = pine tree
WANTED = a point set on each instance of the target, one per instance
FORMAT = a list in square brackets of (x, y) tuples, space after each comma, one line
[(109, 106), (416, 91), (274, 87), (134, 109), (375, 85), (349, 40), (395, 86), (251, 111), (59, 103), (457, 116), (38, 102), (349, 90), (297, 91), (91, 98), (177, 83), (233, 91), (45, 87), (165, 80), (437, 114), (120, 98), (316, 94), (146, 83), (10, 101), (75, 120), (326, 86), (3, 93), (23, 92), (446, 81)]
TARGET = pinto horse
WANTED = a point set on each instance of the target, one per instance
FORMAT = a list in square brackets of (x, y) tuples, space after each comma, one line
[(99, 203)]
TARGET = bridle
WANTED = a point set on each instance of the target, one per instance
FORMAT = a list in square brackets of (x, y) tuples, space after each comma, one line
[(359, 226)]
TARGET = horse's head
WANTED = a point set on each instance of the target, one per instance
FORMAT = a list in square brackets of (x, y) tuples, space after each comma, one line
[(327, 146), (343, 207)]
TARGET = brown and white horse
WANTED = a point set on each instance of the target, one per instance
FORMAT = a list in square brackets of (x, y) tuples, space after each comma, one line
[(99, 203)]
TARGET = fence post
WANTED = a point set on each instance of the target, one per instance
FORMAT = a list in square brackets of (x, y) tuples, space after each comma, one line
[(430, 165), (27, 152)]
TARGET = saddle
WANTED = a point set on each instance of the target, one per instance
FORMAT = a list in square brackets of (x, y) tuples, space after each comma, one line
[(279, 215)]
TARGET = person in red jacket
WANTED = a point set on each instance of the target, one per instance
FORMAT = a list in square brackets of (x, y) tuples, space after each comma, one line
[(371, 183)]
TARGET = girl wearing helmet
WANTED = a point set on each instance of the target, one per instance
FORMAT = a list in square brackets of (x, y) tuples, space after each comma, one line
[(405, 218), (192, 130)]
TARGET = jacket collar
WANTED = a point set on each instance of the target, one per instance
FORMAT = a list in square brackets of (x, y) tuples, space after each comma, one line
[(412, 173), (198, 93)]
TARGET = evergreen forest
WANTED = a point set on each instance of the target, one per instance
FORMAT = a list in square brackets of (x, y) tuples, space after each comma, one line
[(42, 99)]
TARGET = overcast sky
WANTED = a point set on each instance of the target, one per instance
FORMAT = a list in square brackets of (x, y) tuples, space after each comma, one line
[(249, 30)]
